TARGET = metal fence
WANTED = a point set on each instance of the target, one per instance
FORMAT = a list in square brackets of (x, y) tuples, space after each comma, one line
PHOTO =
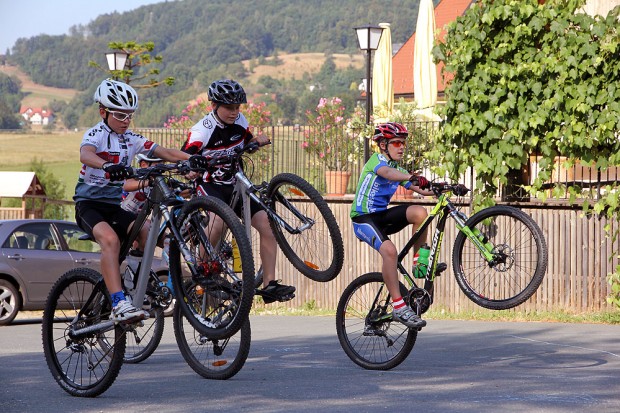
[(286, 154)]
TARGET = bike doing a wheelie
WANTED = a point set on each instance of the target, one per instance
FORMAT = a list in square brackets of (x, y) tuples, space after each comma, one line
[(499, 260), (84, 348)]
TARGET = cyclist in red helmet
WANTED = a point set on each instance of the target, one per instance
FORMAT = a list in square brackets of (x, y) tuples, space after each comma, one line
[(373, 221)]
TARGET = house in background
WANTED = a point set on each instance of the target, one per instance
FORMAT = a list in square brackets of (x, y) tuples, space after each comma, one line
[(402, 62), (37, 116), (26, 187)]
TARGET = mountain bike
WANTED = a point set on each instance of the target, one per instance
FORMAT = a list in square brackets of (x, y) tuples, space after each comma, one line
[(211, 358), (84, 348), (499, 259), (303, 224)]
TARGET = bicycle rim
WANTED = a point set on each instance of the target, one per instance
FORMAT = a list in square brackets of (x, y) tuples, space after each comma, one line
[(85, 366), (365, 328), (522, 249), (317, 251), (143, 340), (218, 301), (216, 359)]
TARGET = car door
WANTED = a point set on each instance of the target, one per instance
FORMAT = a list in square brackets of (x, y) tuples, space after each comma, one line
[(84, 252), (35, 255)]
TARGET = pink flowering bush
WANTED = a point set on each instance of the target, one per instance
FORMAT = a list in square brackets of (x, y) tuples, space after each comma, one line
[(190, 115), (328, 136)]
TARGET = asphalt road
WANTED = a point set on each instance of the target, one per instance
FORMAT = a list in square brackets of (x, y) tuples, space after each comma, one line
[(297, 365)]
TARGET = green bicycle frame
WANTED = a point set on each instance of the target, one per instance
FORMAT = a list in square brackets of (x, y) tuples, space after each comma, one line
[(442, 210)]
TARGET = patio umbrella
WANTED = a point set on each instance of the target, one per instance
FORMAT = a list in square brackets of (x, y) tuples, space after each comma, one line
[(424, 69), (382, 81)]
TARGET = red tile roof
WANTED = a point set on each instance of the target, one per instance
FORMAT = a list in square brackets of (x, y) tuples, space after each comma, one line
[(402, 62)]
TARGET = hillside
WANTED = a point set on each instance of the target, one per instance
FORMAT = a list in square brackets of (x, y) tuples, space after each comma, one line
[(294, 65), (291, 66), (37, 95)]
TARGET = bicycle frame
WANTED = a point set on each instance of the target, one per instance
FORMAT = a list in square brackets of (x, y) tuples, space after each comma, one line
[(442, 210), (157, 207)]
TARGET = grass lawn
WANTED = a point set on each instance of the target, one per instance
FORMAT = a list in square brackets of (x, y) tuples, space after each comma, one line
[(58, 151)]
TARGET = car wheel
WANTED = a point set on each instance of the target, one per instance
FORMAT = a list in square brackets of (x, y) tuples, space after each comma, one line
[(10, 302)]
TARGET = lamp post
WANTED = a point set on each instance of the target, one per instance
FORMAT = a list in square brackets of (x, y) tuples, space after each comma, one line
[(116, 61), (368, 40)]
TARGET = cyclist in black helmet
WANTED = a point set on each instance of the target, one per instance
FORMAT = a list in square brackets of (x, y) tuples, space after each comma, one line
[(220, 132)]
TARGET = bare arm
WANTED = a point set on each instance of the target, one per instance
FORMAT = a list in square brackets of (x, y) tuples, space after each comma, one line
[(394, 174), (172, 155), (89, 157)]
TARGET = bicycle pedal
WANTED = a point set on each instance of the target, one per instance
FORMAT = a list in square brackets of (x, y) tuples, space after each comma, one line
[(441, 267)]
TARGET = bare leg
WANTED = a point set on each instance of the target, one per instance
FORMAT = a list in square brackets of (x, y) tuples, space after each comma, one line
[(110, 249), (268, 246)]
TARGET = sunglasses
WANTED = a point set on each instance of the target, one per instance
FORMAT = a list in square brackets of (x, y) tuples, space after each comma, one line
[(120, 116), (398, 144)]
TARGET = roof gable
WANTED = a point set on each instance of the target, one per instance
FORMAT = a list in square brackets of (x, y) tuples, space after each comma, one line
[(18, 184), (402, 62)]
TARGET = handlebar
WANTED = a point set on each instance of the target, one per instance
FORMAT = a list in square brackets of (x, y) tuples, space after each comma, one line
[(223, 159), (440, 187)]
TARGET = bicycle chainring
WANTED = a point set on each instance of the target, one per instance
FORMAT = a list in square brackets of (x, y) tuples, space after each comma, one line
[(419, 300)]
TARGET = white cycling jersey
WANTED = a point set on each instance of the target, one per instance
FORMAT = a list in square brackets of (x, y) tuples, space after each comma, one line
[(92, 184)]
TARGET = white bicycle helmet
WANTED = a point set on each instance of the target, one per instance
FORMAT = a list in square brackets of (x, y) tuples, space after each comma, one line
[(116, 95), (143, 157)]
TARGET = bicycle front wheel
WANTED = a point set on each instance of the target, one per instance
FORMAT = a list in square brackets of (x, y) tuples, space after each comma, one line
[(212, 358), (365, 328), (216, 300), (315, 246), (519, 267), (83, 364)]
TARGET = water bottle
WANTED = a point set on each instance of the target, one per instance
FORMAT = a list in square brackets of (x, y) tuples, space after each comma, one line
[(165, 253), (130, 274), (420, 261)]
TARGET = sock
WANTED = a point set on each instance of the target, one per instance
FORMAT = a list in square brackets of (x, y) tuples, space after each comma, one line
[(398, 303), (116, 297)]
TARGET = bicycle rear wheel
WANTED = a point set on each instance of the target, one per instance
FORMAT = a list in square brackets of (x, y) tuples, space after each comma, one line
[(84, 365), (316, 250), (212, 358), (521, 263), (365, 328), (217, 301)]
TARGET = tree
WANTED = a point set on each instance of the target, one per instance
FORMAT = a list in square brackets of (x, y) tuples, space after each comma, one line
[(138, 56), (532, 77), (528, 78)]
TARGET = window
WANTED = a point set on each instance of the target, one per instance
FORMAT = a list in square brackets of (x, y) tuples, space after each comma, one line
[(72, 235)]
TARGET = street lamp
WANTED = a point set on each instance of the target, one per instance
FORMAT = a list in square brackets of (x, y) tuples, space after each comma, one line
[(368, 40), (116, 61)]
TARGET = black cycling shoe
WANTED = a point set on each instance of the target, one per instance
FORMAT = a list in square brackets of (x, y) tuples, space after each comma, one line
[(276, 292), (441, 267)]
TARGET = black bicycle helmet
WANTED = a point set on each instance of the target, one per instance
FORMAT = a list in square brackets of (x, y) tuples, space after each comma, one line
[(226, 92)]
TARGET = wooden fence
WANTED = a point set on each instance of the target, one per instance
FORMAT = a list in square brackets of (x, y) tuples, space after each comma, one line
[(575, 282)]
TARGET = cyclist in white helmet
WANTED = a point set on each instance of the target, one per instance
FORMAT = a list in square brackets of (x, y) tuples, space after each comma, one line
[(106, 153)]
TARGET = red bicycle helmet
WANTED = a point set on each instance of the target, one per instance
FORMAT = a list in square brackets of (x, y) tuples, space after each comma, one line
[(389, 130)]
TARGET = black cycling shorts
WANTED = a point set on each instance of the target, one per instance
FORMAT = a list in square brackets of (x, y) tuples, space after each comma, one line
[(90, 213), (224, 193), (374, 228)]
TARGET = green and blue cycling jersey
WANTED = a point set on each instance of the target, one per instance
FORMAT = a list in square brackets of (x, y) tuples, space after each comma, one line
[(374, 192)]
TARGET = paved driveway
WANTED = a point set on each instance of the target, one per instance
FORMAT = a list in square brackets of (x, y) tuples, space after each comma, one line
[(296, 365)]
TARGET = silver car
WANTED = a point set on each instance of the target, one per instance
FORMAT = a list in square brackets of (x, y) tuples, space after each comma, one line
[(35, 253)]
